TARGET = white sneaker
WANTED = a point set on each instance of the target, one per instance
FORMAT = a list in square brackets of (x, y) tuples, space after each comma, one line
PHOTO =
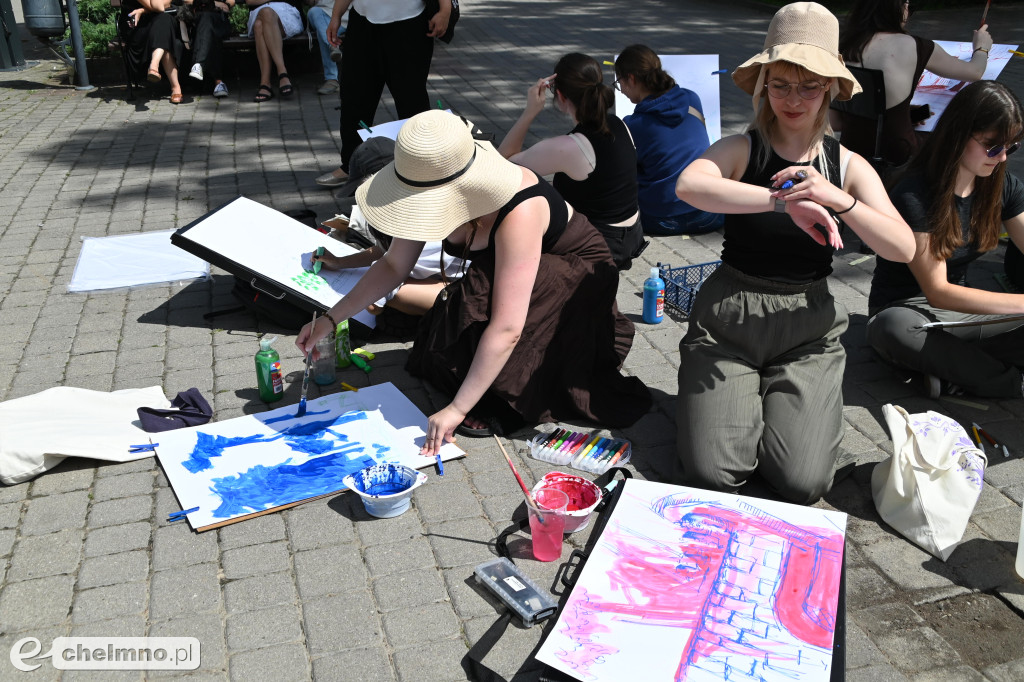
[(196, 72), (220, 90)]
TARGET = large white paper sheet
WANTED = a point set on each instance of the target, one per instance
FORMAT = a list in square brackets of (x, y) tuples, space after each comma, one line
[(389, 129), (697, 72), (250, 464), (696, 585), (936, 91), (278, 248), (129, 260)]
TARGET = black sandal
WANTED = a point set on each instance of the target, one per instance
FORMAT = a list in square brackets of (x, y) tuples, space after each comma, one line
[(285, 90), (264, 93), (480, 432)]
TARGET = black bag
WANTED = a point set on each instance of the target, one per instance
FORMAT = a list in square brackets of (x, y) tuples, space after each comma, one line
[(433, 7)]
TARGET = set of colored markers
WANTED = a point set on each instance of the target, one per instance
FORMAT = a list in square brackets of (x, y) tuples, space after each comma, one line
[(584, 451)]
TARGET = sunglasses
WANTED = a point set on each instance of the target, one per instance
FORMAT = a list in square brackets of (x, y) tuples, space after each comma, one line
[(995, 150), (806, 90)]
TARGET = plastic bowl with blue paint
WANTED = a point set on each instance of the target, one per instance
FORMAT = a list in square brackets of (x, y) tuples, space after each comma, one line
[(386, 489)]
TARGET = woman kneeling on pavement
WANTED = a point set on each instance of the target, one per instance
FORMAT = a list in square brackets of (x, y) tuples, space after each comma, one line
[(761, 365), (531, 332)]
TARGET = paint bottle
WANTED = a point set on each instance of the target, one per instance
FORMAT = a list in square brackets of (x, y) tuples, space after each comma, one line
[(342, 344), (268, 372), (654, 298)]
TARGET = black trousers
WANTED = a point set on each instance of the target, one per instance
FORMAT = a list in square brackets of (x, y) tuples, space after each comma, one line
[(211, 30), (374, 55)]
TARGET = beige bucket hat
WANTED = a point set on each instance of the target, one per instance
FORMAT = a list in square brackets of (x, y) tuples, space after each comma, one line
[(806, 34), (441, 178)]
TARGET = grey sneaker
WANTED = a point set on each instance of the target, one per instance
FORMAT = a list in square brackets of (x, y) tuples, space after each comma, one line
[(936, 387), (197, 71), (336, 55), (329, 87), (220, 90)]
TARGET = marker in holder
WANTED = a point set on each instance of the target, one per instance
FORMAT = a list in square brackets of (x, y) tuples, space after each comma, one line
[(584, 451)]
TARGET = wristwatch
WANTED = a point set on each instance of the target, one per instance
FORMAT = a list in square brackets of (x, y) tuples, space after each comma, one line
[(780, 205)]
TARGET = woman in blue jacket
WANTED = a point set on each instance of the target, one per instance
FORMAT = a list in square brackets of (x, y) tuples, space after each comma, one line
[(668, 131)]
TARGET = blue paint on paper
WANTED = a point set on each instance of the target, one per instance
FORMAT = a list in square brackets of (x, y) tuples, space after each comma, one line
[(263, 487), (286, 417), (208, 447)]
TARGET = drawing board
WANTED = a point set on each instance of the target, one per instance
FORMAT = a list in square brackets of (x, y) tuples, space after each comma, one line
[(697, 72), (389, 129), (249, 465), (936, 91), (251, 240), (688, 584)]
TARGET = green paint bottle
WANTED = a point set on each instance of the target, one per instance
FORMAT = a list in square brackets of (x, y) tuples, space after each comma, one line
[(342, 344), (268, 372)]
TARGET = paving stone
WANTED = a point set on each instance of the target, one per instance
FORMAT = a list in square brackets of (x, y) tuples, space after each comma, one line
[(189, 590), (409, 589), (6, 542), (961, 673), (329, 570), (317, 524), (13, 493), (347, 621), (71, 474), (259, 592), (373, 665), (123, 511), (112, 569), (256, 560), (373, 531), (209, 630), (469, 600), (860, 650), (114, 601), (427, 623), (876, 673), (266, 528), (55, 512), (178, 545), (865, 587), (435, 661), (917, 649), (116, 539), (397, 557), (127, 485), (44, 555), (110, 469), (10, 515), (279, 663), (456, 543), (263, 628), (35, 603), (446, 500), (907, 566), (45, 635)]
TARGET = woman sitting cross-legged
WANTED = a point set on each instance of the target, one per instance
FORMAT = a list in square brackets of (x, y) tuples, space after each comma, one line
[(531, 332), (669, 132), (153, 42), (270, 22), (595, 163), (761, 365), (957, 197)]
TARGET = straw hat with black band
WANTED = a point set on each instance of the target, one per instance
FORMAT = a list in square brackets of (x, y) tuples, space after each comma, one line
[(441, 178), (805, 34)]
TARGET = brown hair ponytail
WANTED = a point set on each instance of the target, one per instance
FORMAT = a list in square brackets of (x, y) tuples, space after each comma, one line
[(644, 65), (580, 80)]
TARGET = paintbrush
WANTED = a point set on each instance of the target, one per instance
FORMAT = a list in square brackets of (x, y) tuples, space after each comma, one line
[(526, 491), (984, 15), (305, 375)]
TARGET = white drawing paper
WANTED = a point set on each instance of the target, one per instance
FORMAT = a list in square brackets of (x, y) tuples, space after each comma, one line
[(389, 129), (936, 91), (128, 260), (278, 248), (257, 462), (687, 584), (697, 72)]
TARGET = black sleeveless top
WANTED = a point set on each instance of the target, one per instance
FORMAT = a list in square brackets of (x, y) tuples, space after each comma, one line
[(608, 195), (557, 211), (770, 245)]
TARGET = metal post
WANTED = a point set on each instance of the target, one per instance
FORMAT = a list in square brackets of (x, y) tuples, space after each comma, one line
[(76, 41), (11, 57)]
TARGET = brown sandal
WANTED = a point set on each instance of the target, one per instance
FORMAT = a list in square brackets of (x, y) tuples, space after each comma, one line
[(176, 98), (153, 76)]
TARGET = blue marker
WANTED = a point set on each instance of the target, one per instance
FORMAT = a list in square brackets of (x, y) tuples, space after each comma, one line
[(719, 72), (440, 464)]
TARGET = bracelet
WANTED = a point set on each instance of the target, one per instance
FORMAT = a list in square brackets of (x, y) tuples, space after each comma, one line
[(327, 314), (847, 210), (980, 49)]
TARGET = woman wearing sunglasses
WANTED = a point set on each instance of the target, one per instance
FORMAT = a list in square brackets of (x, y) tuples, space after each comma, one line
[(761, 365), (957, 197)]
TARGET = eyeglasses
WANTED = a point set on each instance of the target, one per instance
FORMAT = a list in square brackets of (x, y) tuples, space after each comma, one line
[(806, 90), (997, 149), (615, 84)]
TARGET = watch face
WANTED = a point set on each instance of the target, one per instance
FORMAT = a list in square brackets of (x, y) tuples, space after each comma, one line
[(780, 206)]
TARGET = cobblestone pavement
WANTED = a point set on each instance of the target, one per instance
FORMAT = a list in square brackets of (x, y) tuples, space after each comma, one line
[(321, 590)]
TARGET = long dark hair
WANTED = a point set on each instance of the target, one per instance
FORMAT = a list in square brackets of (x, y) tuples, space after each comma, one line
[(644, 65), (981, 107), (580, 80), (867, 18)]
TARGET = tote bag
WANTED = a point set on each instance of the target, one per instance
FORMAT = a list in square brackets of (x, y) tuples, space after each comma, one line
[(928, 488)]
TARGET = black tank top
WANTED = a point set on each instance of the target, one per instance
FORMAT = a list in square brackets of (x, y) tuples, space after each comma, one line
[(557, 211), (608, 195), (770, 245)]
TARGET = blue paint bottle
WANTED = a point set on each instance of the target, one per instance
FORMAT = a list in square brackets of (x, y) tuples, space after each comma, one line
[(654, 298), (268, 372)]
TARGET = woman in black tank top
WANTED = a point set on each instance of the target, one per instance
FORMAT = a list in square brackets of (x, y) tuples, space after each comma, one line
[(761, 364)]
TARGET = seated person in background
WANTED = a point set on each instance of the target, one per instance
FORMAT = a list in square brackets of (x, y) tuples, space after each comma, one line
[(212, 26), (595, 163), (668, 129), (875, 37), (761, 365), (957, 197), (270, 22), (319, 16), (153, 41), (531, 332)]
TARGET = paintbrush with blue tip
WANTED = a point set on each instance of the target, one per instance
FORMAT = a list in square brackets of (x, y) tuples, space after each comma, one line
[(305, 375)]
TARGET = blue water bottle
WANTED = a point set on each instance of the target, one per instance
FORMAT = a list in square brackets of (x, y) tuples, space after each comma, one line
[(654, 298)]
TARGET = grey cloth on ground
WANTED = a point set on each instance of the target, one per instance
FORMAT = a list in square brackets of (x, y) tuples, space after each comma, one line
[(983, 360), (760, 386)]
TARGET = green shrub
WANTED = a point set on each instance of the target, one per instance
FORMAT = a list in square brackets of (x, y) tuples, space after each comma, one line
[(239, 20), (95, 11)]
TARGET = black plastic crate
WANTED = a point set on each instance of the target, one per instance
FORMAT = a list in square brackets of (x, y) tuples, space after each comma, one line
[(681, 284)]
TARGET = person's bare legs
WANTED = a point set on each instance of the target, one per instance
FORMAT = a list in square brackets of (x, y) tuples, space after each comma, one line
[(269, 35), (262, 51), (171, 69), (156, 58), (416, 297)]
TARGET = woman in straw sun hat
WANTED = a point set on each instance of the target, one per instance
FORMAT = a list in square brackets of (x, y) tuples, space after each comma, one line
[(530, 332), (761, 365)]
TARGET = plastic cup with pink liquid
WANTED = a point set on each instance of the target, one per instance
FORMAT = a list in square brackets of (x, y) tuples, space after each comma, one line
[(547, 524)]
